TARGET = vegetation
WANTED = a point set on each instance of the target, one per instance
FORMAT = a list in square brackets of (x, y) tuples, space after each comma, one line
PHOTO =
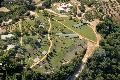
[(104, 64), (35, 29)]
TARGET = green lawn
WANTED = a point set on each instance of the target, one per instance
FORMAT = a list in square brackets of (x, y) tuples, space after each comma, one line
[(85, 31)]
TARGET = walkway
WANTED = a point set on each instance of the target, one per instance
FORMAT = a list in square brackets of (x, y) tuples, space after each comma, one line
[(21, 38), (49, 50)]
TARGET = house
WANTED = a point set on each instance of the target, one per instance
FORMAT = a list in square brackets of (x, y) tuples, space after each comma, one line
[(78, 25), (2, 30), (44, 52), (0, 64), (19, 55), (36, 59), (4, 9), (67, 35), (10, 46), (62, 8), (7, 22), (7, 36), (41, 25)]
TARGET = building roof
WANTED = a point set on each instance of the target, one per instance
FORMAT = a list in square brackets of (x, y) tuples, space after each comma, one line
[(66, 35), (7, 22), (44, 52), (60, 9), (7, 36), (36, 59), (0, 64), (10, 46), (78, 25)]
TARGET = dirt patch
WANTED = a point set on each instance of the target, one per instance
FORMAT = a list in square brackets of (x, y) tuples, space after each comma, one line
[(2, 30)]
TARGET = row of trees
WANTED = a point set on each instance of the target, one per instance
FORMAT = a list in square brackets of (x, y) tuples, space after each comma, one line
[(105, 63)]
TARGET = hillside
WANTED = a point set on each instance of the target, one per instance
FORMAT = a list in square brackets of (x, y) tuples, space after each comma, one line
[(59, 39)]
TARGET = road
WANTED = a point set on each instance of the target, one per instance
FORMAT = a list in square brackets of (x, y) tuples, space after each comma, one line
[(49, 49), (21, 38), (90, 49)]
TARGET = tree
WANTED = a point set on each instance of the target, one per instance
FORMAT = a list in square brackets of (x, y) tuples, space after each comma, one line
[(104, 64), (47, 3)]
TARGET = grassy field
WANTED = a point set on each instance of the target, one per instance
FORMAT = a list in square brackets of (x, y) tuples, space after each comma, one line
[(85, 31), (63, 49)]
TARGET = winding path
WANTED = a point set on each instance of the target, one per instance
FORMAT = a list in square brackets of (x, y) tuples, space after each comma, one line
[(49, 49), (90, 49)]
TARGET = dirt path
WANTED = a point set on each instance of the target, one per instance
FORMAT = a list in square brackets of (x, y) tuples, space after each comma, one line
[(90, 49), (21, 38), (49, 50)]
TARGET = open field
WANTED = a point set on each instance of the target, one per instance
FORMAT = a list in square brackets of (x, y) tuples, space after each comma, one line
[(85, 31), (64, 49)]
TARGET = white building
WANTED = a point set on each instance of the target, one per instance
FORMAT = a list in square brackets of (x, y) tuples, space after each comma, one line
[(64, 7), (36, 59), (44, 52), (7, 36), (10, 46), (6, 22)]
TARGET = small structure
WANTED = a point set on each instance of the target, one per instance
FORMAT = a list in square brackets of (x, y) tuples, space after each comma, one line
[(33, 14), (41, 25), (82, 22), (67, 35), (7, 22), (44, 52), (0, 64), (78, 25), (2, 30), (7, 36), (64, 7), (19, 55), (36, 59), (4, 9), (10, 46), (61, 10)]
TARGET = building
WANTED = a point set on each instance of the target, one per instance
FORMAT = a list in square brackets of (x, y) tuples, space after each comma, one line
[(7, 22), (67, 35), (2, 30), (78, 25), (10, 46), (62, 8), (44, 52), (36, 59), (7, 36)]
